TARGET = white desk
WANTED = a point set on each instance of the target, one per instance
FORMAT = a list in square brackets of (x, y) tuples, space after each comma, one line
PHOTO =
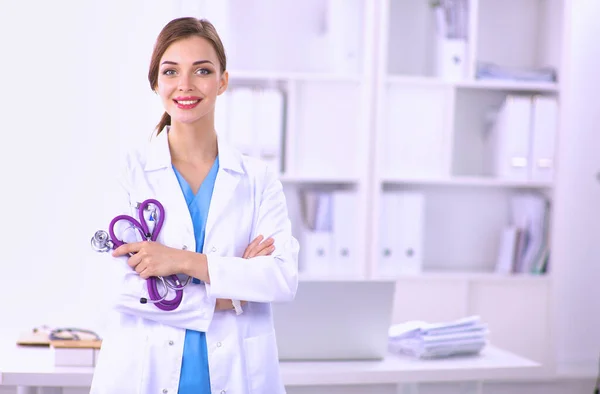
[(33, 367)]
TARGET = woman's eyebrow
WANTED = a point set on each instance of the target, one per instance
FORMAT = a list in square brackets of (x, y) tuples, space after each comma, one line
[(195, 63)]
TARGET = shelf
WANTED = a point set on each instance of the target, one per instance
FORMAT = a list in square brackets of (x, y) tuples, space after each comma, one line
[(509, 85), (466, 181), (474, 84), (290, 179), (304, 277), (430, 275), (469, 276), (245, 76)]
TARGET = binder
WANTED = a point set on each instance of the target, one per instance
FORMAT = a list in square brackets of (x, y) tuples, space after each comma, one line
[(543, 138), (451, 58), (269, 123), (316, 256), (241, 120), (402, 218), (508, 142), (345, 232), (508, 250), (343, 36)]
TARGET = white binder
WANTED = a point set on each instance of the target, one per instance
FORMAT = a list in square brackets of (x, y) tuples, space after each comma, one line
[(508, 140), (268, 116), (241, 122), (345, 232), (543, 138), (316, 250), (451, 58), (402, 217), (343, 35), (316, 257)]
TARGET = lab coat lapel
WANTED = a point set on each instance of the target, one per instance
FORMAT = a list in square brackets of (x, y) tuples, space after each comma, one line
[(228, 177), (166, 188), (158, 166)]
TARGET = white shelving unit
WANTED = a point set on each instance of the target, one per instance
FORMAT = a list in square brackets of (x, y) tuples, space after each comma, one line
[(320, 55), (366, 112), (429, 142)]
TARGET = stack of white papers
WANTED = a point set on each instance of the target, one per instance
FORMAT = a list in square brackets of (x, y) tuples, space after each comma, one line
[(435, 340), (495, 71)]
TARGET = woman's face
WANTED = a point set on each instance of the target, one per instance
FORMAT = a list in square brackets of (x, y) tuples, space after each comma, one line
[(189, 79)]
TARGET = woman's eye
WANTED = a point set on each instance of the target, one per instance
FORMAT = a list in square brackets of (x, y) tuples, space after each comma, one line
[(169, 72), (203, 71)]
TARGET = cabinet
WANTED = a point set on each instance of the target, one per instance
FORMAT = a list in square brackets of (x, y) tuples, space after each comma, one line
[(378, 104), (454, 173), (318, 55)]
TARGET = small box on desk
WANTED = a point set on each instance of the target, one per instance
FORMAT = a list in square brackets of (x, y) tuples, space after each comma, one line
[(75, 353)]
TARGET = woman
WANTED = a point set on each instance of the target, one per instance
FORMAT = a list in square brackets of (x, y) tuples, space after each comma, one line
[(219, 201)]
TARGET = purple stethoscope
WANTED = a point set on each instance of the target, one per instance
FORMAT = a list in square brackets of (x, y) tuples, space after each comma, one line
[(102, 243)]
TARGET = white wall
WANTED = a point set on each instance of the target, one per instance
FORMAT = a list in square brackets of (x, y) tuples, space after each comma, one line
[(74, 91), (577, 224)]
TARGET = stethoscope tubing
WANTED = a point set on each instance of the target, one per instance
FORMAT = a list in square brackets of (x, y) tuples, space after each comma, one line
[(151, 283)]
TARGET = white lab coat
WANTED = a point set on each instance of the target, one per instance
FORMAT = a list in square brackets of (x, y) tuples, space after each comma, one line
[(142, 353)]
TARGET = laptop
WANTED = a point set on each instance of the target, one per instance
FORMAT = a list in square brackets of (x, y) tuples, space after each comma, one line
[(335, 320)]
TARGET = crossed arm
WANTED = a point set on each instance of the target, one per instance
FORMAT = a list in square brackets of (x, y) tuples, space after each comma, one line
[(271, 277), (154, 259)]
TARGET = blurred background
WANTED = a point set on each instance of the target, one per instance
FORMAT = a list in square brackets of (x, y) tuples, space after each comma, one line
[(448, 146)]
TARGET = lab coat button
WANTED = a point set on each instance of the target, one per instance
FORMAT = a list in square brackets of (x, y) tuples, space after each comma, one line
[(218, 344), (171, 343), (223, 391), (213, 249), (165, 391), (184, 247)]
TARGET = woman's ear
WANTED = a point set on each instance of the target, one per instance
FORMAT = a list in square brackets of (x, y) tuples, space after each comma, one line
[(224, 82)]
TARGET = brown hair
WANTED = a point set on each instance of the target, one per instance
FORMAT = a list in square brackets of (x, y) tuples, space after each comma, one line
[(179, 29)]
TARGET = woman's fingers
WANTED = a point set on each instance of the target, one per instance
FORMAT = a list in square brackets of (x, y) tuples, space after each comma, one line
[(255, 242), (225, 305), (266, 251), (262, 249)]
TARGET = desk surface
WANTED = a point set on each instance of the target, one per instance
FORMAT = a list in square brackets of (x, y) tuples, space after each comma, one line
[(21, 366)]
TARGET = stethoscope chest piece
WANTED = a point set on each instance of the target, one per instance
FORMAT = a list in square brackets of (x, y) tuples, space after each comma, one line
[(101, 241)]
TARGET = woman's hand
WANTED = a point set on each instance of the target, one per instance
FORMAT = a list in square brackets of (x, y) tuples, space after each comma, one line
[(257, 247), (152, 258)]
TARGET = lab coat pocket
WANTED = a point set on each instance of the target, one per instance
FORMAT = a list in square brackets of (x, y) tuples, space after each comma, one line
[(262, 364), (121, 366)]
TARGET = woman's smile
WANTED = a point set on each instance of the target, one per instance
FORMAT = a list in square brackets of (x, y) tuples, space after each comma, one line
[(187, 102)]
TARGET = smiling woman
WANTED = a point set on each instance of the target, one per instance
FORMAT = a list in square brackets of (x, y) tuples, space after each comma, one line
[(168, 70), (226, 225)]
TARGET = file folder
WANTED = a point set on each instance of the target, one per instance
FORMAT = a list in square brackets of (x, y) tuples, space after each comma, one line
[(345, 232), (508, 142), (402, 218), (543, 137)]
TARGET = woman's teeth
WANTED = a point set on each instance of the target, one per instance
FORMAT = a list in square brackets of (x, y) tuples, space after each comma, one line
[(188, 102)]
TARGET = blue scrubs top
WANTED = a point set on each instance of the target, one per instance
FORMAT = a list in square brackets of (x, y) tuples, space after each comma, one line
[(194, 377)]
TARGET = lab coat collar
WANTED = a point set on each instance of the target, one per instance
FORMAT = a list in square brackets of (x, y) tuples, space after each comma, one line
[(159, 155)]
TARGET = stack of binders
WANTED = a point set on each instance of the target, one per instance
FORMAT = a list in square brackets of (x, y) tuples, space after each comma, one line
[(521, 147), (329, 238), (252, 120), (520, 143)]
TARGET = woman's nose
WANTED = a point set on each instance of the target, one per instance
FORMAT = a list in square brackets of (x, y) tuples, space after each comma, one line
[(185, 84)]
